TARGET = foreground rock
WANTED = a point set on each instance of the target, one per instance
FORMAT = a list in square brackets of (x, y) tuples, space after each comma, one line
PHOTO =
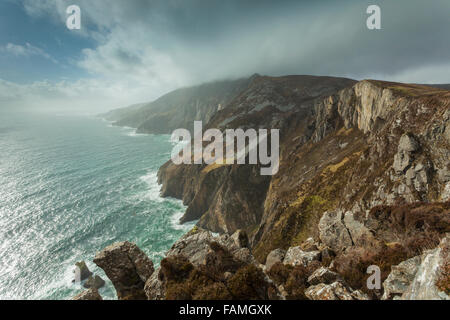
[(83, 271), (335, 291), (200, 266), (296, 256), (127, 267), (333, 232), (94, 282), (91, 294), (417, 278)]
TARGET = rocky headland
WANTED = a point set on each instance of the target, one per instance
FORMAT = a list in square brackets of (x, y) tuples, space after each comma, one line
[(364, 181)]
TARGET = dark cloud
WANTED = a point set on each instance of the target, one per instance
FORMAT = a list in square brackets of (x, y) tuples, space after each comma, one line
[(156, 46)]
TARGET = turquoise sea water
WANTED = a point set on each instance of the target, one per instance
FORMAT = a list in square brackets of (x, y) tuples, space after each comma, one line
[(69, 186)]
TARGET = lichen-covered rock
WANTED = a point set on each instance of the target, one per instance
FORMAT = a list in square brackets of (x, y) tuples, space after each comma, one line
[(360, 234), (400, 278), (322, 275), (296, 256), (127, 267), (423, 286), (194, 246), (90, 294), (274, 256), (154, 288), (416, 278), (404, 156), (94, 282), (335, 291), (333, 232), (244, 255)]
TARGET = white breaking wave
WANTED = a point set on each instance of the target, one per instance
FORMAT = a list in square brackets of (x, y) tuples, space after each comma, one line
[(154, 193), (154, 189), (175, 221), (133, 133)]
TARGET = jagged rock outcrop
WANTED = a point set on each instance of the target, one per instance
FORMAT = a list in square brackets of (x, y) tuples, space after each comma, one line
[(296, 256), (82, 271), (400, 278), (417, 278), (128, 268), (216, 271), (403, 158), (202, 266), (333, 232), (90, 294), (195, 248)]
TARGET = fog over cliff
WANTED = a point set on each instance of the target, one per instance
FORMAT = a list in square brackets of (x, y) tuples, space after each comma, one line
[(135, 51)]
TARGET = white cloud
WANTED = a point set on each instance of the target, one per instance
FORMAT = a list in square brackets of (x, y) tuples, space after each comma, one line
[(26, 50), (86, 94)]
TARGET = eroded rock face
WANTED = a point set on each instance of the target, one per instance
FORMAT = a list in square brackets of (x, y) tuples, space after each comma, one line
[(335, 291), (296, 256), (416, 278), (193, 245), (91, 294), (323, 275), (333, 232), (94, 282), (400, 278), (375, 144), (359, 233), (404, 156), (128, 268), (154, 289)]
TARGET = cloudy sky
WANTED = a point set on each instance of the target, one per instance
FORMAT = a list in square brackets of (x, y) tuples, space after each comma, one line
[(135, 50)]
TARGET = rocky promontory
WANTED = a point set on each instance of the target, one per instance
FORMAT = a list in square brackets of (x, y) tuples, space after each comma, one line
[(363, 184)]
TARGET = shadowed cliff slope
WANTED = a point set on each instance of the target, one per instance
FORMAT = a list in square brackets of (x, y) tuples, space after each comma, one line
[(179, 108)]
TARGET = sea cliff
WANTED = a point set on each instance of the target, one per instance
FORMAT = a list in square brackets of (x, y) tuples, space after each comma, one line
[(364, 181)]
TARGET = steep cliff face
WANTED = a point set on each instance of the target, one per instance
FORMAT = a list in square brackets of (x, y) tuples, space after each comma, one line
[(364, 180), (178, 109), (368, 144), (374, 143), (226, 198)]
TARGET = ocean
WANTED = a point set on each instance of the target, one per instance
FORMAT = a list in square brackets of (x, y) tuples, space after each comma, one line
[(71, 185)]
